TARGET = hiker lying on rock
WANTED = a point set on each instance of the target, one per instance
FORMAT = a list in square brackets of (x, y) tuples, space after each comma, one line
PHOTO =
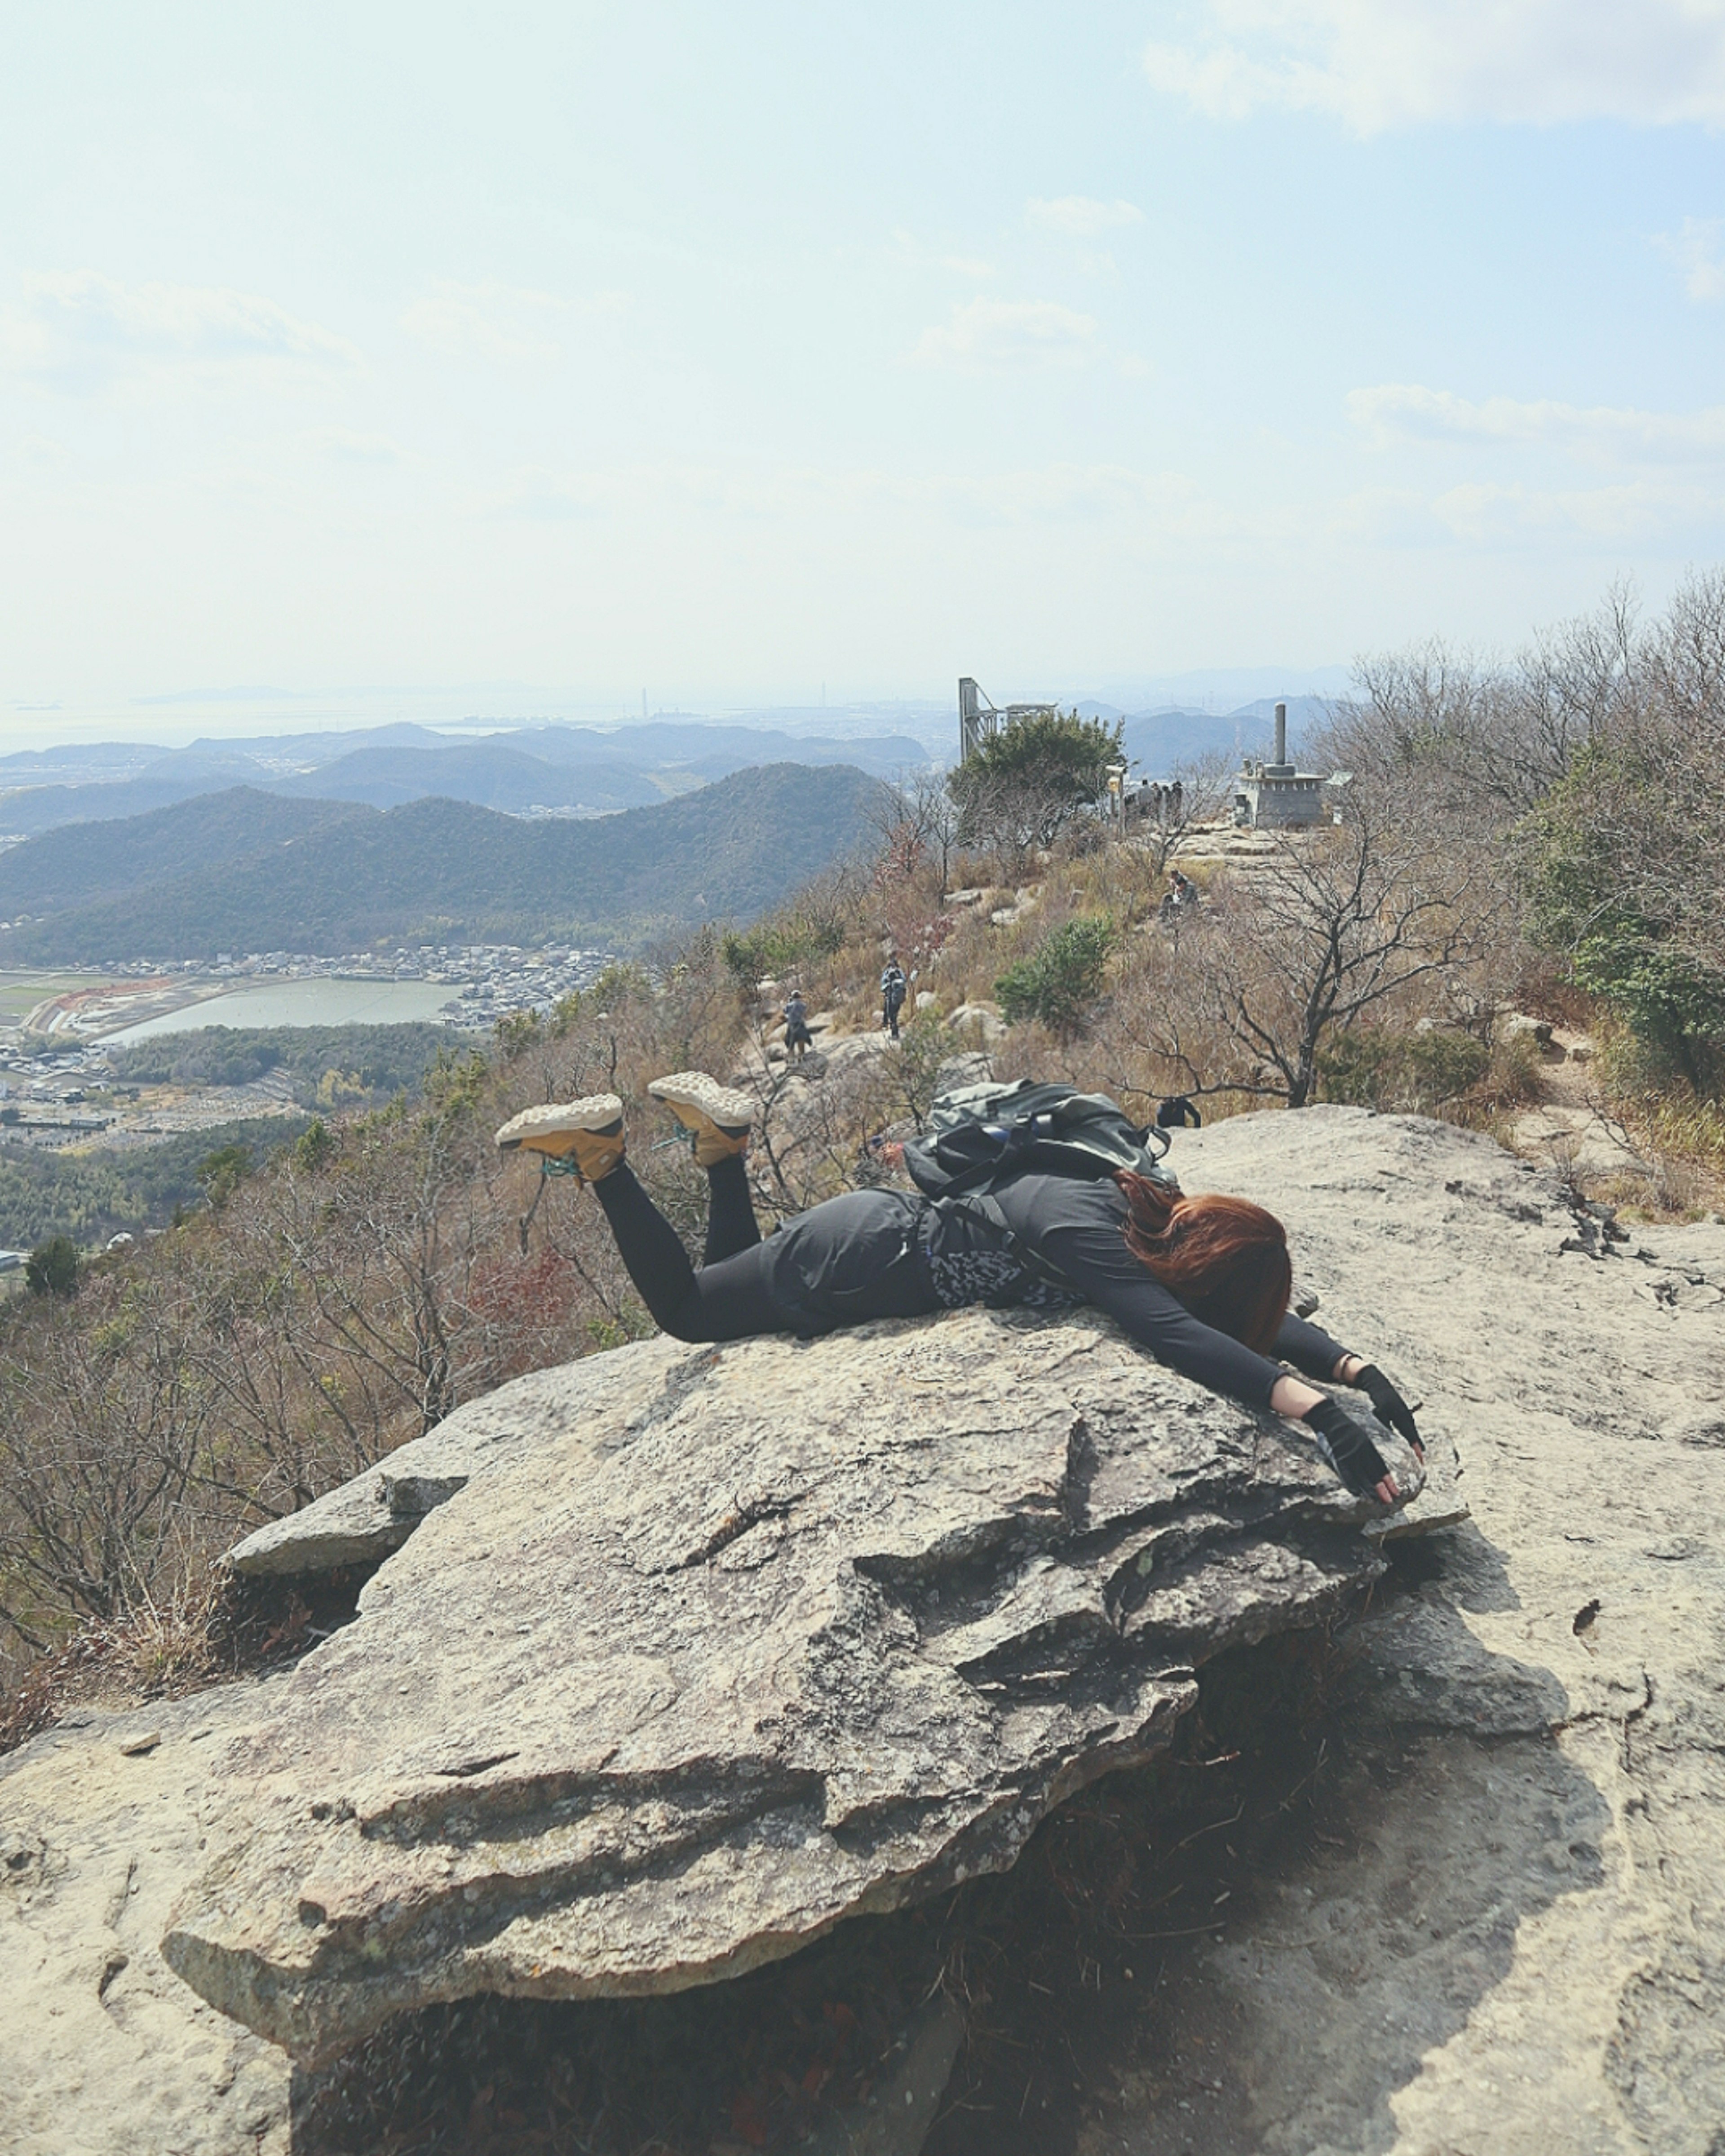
[(1202, 1283)]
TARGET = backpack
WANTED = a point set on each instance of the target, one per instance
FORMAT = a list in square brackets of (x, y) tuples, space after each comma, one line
[(980, 1136)]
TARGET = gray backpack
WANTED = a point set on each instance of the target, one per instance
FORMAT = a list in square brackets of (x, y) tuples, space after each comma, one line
[(979, 1137)]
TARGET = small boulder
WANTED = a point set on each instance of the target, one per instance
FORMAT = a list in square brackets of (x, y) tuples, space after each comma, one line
[(1518, 1026), (984, 1018)]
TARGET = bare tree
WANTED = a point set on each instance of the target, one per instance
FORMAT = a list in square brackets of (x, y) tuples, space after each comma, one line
[(1503, 733), (917, 818), (1335, 923)]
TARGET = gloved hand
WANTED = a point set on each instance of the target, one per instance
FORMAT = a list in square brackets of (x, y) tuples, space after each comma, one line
[(1347, 1447), (1391, 1410)]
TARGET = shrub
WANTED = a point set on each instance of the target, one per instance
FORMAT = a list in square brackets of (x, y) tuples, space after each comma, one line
[(1410, 1073), (221, 1173), (779, 948), (52, 1267), (1060, 982)]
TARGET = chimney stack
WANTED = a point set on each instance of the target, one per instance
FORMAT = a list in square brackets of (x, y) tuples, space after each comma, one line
[(1281, 734)]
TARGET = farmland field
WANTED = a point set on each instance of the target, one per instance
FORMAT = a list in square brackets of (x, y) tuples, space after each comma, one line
[(21, 992)]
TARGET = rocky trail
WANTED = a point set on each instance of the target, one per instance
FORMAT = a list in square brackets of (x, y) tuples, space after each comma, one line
[(1502, 1936)]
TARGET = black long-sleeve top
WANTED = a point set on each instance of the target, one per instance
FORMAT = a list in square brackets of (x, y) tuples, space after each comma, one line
[(1077, 1226)]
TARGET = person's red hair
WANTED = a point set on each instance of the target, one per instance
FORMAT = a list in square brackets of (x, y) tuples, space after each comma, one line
[(1226, 1258)]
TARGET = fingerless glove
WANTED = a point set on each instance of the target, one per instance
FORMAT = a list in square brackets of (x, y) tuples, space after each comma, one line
[(1391, 1410), (1347, 1447)]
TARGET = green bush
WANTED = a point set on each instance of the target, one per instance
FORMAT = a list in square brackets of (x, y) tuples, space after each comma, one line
[(1060, 981), (1409, 1073), (1033, 779), (221, 1172), (778, 948), (52, 1267), (1616, 879)]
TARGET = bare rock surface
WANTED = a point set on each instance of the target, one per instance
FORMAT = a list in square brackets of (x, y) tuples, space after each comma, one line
[(1514, 1945), (364, 1519), (761, 1637), (103, 2049)]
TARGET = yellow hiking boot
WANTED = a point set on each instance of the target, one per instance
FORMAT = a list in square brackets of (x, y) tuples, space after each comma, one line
[(717, 1118), (590, 1132)]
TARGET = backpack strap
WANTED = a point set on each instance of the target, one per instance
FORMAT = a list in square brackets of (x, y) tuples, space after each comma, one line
[(1027, 1256)]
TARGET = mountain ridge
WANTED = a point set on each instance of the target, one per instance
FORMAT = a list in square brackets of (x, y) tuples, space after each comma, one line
[(437, 870)]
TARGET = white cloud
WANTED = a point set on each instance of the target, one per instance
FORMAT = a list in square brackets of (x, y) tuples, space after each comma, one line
[(1486, 516), (348, 448), (503, 324), (1406, 411), (79, 331), (909, 248), (1009, 333), (1079, 215), (1380, 63), (1694, 250), (1167, 503)]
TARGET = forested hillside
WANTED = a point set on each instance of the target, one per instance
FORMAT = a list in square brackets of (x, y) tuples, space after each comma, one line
[(91, 1196), (80, 862), (318, 878)]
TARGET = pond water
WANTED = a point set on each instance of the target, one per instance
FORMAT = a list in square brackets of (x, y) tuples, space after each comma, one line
[(301, 1003)]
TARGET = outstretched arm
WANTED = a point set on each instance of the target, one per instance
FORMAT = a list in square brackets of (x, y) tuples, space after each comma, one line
[(1312, 1351), (1098, 1263), (1351, 1452)]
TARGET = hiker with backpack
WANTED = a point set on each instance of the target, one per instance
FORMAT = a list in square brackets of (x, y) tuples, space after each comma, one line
[(892, 995), (798, 1039), (1027, 1196)]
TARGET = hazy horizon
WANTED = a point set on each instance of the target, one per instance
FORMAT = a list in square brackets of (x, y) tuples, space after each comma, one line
[(174, 721)]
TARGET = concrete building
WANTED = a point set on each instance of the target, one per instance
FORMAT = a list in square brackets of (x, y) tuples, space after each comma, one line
[(1276, 796)]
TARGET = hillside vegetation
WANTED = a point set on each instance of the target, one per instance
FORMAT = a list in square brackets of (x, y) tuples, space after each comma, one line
[(80, 863), (92, 1195), (328, 1065), (312, 878)]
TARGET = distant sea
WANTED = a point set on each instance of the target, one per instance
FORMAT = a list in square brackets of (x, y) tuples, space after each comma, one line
[(301, 1003)]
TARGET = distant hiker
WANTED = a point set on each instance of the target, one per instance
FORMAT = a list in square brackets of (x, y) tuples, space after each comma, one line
[(1179, 1113), (1202, 1283), (1174, 794), (892, 995), (1181, 889), (796, 1035)]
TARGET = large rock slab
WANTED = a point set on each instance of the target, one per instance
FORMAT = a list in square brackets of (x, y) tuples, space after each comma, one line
[(759, 1638)]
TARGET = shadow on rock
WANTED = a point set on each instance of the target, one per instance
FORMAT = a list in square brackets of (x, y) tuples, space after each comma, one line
[(1452, 1819)]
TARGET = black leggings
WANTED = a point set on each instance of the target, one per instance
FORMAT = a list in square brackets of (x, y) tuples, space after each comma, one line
[(855, 1258)]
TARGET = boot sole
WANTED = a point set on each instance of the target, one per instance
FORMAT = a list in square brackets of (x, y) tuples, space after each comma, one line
[(598, 1113), (728, 1110)]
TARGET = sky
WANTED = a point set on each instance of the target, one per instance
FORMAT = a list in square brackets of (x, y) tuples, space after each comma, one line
[(542, 358)]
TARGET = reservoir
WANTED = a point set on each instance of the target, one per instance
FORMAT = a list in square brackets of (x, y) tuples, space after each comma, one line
[(302, 1002)]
